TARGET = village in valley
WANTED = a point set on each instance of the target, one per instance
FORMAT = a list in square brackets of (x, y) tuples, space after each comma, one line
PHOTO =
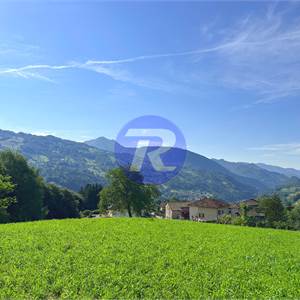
[(210, 210)]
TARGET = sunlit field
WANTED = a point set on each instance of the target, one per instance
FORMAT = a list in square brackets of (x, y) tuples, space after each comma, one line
[(145, 258)]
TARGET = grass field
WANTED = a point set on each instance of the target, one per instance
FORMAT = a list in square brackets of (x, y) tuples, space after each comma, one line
[(144, 258)]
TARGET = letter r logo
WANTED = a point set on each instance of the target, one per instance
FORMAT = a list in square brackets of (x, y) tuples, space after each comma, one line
[(153, 146), (168, 140)]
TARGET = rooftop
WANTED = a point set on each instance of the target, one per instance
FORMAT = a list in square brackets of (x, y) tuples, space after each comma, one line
[(175, 205), (249, 202), (209, 203)]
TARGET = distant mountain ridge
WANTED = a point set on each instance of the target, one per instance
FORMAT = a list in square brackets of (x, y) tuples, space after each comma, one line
[(102, 143), (66, 163), (290, 172), (72, 165), (269, 180), (250, 175)]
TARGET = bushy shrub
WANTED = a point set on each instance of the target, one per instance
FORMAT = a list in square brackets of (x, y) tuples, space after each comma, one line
[(226, 219), (251, 221), (261, 223), (240, 221), (86, 213), (280, 225), (294, 217), (6, 190)]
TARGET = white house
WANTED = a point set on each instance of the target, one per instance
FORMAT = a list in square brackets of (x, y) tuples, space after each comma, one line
[(177, 210), (207, 209)]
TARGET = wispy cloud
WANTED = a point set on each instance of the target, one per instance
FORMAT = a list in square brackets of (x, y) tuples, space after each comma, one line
[(111, 69), (155, 56), (288, 149), (18, 48), (77, 135), (32, 71), (263, 56), (260, 54), (115, 69)]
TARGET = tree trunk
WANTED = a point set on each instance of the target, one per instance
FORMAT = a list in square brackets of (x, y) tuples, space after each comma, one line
[(129, 211)]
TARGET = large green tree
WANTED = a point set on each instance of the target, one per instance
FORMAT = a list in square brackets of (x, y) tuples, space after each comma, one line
[(294, 217), (28, 187), (127, 192), (90, 195), (6, 198), (273, 209)]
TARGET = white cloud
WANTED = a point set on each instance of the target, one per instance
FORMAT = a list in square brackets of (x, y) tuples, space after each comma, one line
[(43, 133)]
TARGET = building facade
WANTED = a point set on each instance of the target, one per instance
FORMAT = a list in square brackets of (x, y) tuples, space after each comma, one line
[(177, 210), (208, 209)]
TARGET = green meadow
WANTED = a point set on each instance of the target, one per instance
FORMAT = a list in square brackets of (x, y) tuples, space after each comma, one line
[(146, 258)]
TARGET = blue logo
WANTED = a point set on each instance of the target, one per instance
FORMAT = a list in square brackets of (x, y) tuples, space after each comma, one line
[(152, 146)]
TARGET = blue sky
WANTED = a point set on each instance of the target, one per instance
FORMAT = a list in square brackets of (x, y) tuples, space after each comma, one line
[(227, 73)]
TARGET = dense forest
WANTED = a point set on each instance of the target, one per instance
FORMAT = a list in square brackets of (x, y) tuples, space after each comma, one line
[(25, 196)]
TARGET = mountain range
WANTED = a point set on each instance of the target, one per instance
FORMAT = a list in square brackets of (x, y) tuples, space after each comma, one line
[(72, 165)]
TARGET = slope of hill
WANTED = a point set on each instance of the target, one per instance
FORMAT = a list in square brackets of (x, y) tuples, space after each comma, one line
[(290, 172), (72, 165), (63, 162), (147, 259), (202, 176), (229, 181), (289, 195), (102, 143), (269, 180)]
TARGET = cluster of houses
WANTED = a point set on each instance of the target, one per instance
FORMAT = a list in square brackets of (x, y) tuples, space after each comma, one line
[(208, 209), (204, 210)]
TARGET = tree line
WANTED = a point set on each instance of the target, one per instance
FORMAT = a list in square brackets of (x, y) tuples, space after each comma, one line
[(25, 196), (275, 215)]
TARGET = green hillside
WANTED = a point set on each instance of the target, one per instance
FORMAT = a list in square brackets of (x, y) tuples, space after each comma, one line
[(289, 195), (290, 172), (266, 179), (73, 165), (102, 143), (66, 163), (190, 183), (145, 258)]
